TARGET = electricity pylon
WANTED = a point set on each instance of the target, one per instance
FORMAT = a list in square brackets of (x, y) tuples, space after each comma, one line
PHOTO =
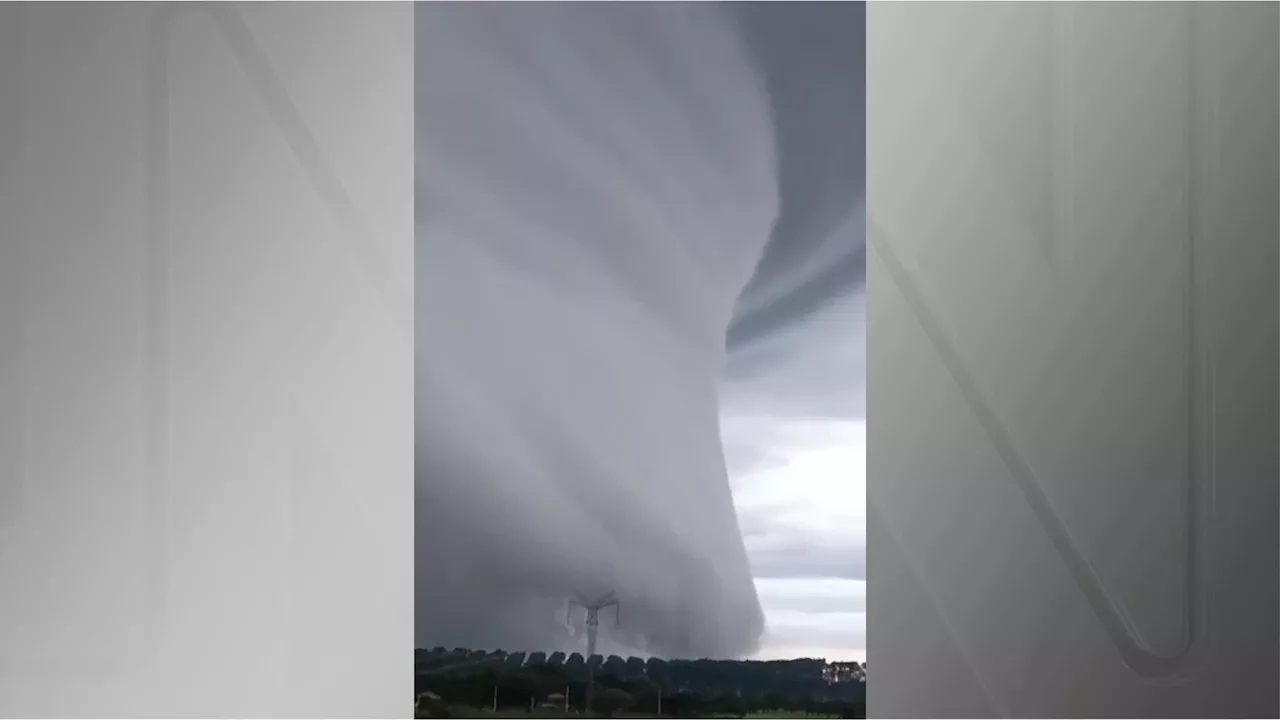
[(593, 608)]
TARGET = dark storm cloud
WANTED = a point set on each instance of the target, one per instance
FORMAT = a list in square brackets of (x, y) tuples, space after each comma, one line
[(815, 368), (596, 186), (813, 59)]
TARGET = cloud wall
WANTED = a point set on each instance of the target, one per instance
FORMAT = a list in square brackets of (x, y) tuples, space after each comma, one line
[(596, 186)]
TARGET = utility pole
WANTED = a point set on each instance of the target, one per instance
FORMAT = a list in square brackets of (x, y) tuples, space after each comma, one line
[(659, 701), (495, 698)]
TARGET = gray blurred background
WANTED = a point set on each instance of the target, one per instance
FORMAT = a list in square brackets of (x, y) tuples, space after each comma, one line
[(206, 363), (1073, 293)]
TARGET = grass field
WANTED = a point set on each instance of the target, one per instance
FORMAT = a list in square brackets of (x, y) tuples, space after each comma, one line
[(520, 713), (526, 715)]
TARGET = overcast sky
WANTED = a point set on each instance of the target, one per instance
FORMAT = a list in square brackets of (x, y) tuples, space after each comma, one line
[(640, 333), (795, 446)]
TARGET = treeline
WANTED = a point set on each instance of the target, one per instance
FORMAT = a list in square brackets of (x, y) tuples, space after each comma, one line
[(677, 688)]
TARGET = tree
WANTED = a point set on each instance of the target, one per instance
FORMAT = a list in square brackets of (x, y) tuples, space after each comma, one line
[(614, 665), (613, 700), (659, 671), (773, 701), (688, 688), (635, 667), (645, 691)]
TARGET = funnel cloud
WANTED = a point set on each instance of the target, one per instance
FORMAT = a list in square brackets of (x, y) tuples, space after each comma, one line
[(640, 291)]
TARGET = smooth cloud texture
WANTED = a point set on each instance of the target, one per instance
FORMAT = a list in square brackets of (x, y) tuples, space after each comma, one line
[(597, 184)]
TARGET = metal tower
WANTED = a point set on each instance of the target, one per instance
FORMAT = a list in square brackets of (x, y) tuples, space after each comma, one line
[(593, 608)]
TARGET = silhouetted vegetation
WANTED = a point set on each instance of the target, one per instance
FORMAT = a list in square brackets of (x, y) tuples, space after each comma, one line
[(468, 683)]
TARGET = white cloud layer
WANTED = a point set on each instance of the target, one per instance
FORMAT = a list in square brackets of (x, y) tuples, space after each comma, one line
[(799, 479)]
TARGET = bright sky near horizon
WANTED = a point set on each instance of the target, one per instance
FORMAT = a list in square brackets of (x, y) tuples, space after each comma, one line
[(799, 479), (819, 495)]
